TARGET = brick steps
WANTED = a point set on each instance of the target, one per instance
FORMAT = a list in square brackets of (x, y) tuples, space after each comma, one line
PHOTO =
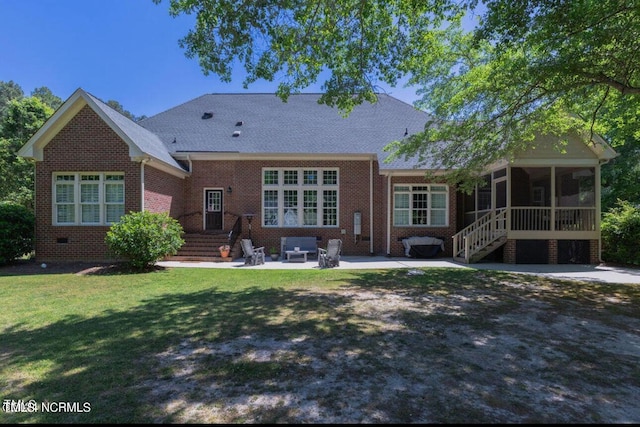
[(197, 258), (204, 247)]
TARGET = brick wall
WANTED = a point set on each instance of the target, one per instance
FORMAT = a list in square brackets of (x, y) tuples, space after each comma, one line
[(446, 233), (211, 175), (85, 144), (245, 179), (509, 253), (163, 192), (594, 252), (553, 251)]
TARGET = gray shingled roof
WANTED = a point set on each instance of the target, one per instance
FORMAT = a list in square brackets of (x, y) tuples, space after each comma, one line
[(300, 125), (147, 141)]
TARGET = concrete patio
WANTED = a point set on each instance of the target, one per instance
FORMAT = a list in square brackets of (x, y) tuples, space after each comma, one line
[(599, 273)]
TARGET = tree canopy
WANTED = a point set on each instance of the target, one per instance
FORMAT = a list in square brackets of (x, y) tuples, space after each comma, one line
[(22, 119), (8, 91), (120, 109), (46, 96), (528, 67)]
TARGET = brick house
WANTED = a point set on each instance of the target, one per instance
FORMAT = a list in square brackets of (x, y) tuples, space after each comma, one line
[(232, 165)]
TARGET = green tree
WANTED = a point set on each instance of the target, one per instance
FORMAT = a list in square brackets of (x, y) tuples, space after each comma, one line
[(530, 66), (45, 95), (120, 109), (621, 176), (621, 233), (8, 91), (22, 119)]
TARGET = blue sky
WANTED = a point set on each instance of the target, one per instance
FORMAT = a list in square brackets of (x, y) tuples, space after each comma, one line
[(126, 50)]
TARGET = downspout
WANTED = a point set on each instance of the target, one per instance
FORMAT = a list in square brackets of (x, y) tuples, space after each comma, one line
[(389, 215), (142, 163), (371, 207)]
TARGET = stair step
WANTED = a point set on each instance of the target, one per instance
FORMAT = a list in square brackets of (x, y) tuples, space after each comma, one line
[(204, 247), (481, 251), (199, 258)]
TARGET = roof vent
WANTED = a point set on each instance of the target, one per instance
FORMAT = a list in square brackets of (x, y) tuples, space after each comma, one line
[(207, 115), (240, 123), (236, 133)]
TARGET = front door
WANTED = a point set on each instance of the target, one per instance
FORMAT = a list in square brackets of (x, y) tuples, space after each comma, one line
[(213, 210)]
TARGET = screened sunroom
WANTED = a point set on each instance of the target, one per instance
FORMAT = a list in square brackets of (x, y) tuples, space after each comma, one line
[(539, 208)]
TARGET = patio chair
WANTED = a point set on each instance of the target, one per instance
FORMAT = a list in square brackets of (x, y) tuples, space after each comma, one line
[(252, 255), (330, 257)]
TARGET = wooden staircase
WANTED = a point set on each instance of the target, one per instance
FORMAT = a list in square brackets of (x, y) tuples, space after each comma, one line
[(481, 238), (204, 247), (486, 250)]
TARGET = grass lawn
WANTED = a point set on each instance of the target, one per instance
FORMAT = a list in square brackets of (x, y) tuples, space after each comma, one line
[(159, 347)]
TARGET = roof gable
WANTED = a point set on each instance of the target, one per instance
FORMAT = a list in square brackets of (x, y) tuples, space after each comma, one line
[(143, 144), (573, 148)]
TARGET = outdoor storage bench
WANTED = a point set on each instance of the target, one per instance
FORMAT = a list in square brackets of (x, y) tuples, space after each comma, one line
[(304, 243), (422, 247)]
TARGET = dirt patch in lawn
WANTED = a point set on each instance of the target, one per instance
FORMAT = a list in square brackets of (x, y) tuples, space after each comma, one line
[(516, 351), (30, 267)]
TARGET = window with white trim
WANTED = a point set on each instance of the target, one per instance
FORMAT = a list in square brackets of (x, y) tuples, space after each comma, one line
[(299, 197), (424, 205), (87, 198)]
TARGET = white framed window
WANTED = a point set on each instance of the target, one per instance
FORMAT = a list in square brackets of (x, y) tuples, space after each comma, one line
[(425, 205), (300, 197), (87, 198)]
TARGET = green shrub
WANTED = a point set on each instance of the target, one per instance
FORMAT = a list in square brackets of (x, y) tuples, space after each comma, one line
[(621, 234), (16, 231), (143, 238)]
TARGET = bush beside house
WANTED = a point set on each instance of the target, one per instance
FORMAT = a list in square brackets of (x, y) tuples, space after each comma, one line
[(16, 231), (621, 234), (143, 238)]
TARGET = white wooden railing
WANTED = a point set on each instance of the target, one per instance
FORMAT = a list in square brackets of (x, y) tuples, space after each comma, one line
[(480, 234), (494, 225), (553, 219)]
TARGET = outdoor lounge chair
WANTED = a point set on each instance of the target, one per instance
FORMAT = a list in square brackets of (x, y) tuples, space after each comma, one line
[(330, 257), (252, 255)]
